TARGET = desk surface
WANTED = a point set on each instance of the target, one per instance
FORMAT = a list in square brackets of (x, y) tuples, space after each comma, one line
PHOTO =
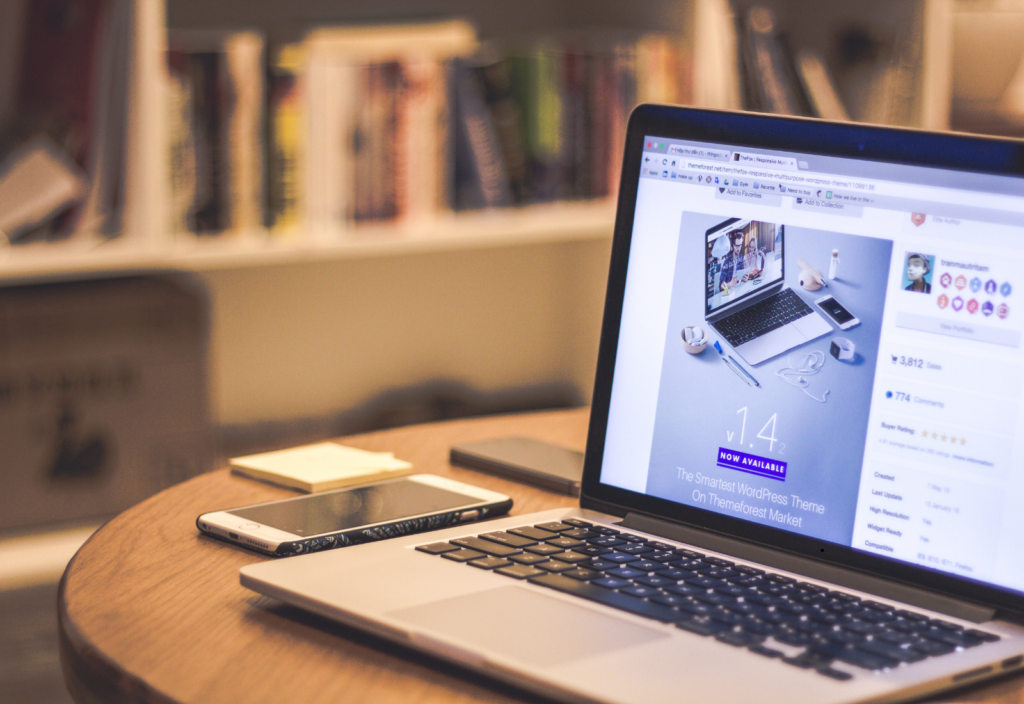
[(152, 611)]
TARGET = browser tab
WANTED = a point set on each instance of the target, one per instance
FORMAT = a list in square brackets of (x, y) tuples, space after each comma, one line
[(766, 161), (699, 152)]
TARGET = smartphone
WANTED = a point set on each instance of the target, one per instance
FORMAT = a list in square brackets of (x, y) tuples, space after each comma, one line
[(359, 514), (525, 459), (835, 310)]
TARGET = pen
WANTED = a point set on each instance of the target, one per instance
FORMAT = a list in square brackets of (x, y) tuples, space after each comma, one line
[(736, 368), (745, 372)]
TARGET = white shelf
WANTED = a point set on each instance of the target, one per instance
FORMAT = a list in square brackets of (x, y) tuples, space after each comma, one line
[(556, 222)]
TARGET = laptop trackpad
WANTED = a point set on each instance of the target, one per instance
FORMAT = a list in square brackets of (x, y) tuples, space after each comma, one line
[(524, 625)]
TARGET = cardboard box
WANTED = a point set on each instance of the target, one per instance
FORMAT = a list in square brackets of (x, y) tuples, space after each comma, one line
[(103, 395)]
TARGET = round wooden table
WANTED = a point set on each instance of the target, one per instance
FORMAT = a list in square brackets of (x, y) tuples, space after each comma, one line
[(152, 611)]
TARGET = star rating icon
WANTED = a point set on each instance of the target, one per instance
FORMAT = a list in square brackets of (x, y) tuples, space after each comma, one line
[(935, 436), (952, 440), (963, 441)]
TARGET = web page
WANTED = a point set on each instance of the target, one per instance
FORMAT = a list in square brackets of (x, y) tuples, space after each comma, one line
[(885, 416)]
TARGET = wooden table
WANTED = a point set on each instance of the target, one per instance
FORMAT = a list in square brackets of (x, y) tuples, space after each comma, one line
[(152, 611)]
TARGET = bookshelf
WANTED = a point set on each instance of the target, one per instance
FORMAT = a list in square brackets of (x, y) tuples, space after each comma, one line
[(283, 348)]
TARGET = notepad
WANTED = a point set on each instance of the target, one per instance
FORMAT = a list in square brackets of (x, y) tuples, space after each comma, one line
[(321, 466)]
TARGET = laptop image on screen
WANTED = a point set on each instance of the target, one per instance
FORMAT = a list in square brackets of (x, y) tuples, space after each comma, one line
[(748, 301), (770, 543)]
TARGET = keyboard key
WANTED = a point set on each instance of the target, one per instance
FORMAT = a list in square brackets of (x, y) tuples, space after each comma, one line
[(592, 550), (766, 652), (510, 539), (661, 546), (579, 534), (611, 582), (619, 557), (635, 548), (688, 554), (740, 639), (462, 555), (528, 558), (752, 571), (596, 563), (888, 650), (703, 626), (519, 571), (641, 591), (952, 638), (617, 600), (982, 635), (486, 546), (571, 557), (685, 589), (868, 661), (580, 573), (647, 565), (576, 522), (835, 674), (555, 526), (490, 563), (654, 579), (564, 543), (437, 548), (718, 562), (677, 574), (668, 599), (633, 538), (626, 572), (553, 566), (533, 533), (544, 549), (608, 541), (705, 582), (932, 647)]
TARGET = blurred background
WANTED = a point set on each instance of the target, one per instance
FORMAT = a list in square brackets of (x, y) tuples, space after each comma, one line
[(237, 226)]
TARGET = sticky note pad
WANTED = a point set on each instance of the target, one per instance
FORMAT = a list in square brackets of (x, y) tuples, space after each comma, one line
[(321, 466)]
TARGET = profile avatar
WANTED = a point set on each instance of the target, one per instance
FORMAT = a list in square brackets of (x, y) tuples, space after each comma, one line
[(917, 273)]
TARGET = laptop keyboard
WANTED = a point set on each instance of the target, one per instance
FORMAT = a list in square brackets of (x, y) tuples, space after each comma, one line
[(762, 317), (737, 604)]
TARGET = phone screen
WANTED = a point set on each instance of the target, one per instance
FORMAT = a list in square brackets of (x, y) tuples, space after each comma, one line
[(836, 311), (350, 508)]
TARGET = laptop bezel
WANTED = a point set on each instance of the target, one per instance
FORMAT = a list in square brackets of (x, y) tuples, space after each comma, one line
[(969, 154)]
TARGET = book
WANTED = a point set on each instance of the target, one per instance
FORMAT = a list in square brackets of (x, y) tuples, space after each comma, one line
[(37, 181), (320, 467), (821, 91), (217, 83)]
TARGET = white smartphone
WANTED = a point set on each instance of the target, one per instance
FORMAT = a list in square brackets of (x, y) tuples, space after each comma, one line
[(358, 514), (837, 312)]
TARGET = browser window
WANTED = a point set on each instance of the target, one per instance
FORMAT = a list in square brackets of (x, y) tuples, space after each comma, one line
[(898, 432)]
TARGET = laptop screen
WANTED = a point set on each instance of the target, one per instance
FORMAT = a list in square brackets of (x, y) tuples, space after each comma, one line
[(742, 258), (899, 433)]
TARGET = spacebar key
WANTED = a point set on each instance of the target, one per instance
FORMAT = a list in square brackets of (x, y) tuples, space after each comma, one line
[(616, 600)]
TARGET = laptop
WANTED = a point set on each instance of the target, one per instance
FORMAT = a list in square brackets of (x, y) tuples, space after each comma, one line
[(851, 537), (749, 302)]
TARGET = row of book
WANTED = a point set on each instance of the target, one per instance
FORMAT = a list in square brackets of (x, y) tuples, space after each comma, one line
[(400, 123)]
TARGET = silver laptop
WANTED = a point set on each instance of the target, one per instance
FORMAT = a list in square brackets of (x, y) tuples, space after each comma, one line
[(845, 531), (749, 302)]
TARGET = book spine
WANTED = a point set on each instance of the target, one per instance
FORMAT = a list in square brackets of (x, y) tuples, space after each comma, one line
[(243, 135), (286, 166)]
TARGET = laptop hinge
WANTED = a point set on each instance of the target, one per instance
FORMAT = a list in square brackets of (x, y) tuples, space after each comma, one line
[(816, 570)]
